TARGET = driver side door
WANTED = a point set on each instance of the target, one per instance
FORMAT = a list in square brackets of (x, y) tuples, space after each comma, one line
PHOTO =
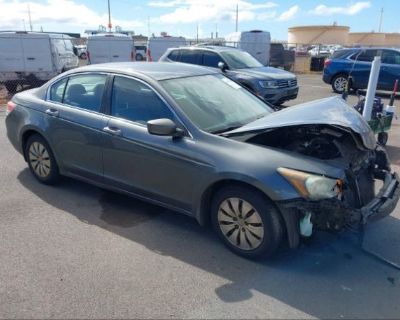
[(158, 168)]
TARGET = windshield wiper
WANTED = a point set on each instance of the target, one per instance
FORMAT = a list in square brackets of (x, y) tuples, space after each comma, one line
[(226, 129)]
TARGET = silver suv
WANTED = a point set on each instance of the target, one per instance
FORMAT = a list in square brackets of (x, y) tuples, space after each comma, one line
[(271, 84)]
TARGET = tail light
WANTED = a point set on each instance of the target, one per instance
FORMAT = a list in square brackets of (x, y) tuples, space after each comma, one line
[(133, 54), (88, 56), (149, 58), (10, 107), (327, 62)]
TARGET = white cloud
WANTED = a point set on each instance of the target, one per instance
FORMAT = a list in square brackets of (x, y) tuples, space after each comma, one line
[(70, 14), (289, 14), (188, 11), (323, 10)]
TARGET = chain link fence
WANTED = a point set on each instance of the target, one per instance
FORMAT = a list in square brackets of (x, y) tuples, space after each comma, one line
[(27, 60)]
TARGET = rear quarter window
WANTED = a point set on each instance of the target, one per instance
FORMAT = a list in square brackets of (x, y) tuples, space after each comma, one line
[(57, 90), (174, 55)]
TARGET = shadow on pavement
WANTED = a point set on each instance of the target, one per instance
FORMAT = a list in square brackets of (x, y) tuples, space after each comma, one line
[(328, 278)]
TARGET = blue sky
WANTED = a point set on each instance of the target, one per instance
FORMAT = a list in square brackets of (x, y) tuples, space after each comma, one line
[(181, 17)]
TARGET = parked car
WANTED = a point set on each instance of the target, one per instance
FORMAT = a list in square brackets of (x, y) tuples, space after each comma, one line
[(81, 51), (319, 51), (281, 57), (156, 46), (194, 141), (357, 63), (110, 47), (271, 84), (255, 42), (140, 53), (29, 58)]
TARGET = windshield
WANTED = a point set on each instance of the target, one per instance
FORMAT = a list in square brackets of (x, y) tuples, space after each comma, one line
[(215, 103), (237, 59)]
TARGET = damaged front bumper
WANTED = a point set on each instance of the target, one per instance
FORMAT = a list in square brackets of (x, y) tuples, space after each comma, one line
[(335, 214)]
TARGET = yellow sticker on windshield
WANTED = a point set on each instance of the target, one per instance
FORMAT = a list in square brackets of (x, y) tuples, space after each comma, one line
[(231, 83)]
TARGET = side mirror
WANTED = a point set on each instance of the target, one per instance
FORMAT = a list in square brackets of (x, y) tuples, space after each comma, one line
[(164, 127), (222, 66)]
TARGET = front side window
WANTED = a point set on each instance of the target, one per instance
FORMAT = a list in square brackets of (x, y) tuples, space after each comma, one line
[(57, 90), (214, 102), (211, 59), (391, 57), (135, 101), (85, 91), (237, 59)]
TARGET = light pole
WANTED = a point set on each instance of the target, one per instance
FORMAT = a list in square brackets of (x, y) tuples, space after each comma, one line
[(109, 17)]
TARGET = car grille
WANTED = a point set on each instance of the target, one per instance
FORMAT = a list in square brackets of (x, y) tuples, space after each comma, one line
[(287, 83)]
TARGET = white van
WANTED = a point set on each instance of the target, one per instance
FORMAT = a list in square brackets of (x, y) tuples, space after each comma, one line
[(110, 47), (34, 58), (255, 42), (156, 46)]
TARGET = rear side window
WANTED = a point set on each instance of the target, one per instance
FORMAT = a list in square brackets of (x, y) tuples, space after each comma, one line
[(134, 101), (190, 56), (174, 55), (365, 55), (57, 90), (85, 91), (211, 59)]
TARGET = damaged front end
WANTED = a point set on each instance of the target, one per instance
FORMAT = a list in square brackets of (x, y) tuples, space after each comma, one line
[(334, 203)]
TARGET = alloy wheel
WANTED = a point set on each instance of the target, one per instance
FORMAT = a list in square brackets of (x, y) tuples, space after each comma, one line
[(340, 84), (240, 223), (39, 159)]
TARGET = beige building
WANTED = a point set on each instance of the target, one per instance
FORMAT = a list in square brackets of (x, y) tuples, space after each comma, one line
[(366, 38), (332, 34)]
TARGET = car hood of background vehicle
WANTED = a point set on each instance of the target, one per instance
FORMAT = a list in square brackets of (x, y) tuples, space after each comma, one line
[(331, 111), (267, 73)]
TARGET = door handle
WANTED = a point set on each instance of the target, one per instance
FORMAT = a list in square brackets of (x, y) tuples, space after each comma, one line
[(52, 112), (113, 130)]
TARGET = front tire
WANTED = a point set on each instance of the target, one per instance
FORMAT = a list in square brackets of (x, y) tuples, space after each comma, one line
[(339, 83), (41, 160), (246, 221)]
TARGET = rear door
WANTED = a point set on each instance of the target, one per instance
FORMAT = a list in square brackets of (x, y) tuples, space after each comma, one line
[(37, 54), (99, 50), (11, 54), (75, 123), (120, 50), (362, 66), (390, 69)]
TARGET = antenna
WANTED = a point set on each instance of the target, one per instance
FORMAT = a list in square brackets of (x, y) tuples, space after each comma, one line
[(380, 20), (237, 16), (109, 16), (197, 33), (29, 16)]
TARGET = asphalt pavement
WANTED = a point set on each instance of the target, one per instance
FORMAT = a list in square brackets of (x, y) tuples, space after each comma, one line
[(76, 251)]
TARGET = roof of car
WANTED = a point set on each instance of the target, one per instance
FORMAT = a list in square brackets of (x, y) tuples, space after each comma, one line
[(155, 70), (210, 47)]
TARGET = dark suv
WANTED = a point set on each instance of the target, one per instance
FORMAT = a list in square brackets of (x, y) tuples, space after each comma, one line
[(357, 63), (271, 84)]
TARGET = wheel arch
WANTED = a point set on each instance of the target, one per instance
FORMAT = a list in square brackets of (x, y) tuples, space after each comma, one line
[(26, 135)]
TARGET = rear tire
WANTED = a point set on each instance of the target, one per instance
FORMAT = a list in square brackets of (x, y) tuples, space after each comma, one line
[(83, 56), (246, 221), (41, 160), (339, 83)]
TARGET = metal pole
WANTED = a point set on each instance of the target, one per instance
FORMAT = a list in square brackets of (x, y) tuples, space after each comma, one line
[(109, 16), (237, 16), (380, 21), (29, 16), (372, 83)]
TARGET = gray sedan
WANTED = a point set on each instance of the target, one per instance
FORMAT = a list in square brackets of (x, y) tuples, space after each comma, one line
[(192, 140)]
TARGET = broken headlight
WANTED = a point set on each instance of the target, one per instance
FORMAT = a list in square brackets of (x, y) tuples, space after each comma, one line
[(312, 186)]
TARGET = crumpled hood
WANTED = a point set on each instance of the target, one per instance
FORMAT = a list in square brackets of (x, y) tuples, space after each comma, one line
[(266, 73), (332, 111)]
